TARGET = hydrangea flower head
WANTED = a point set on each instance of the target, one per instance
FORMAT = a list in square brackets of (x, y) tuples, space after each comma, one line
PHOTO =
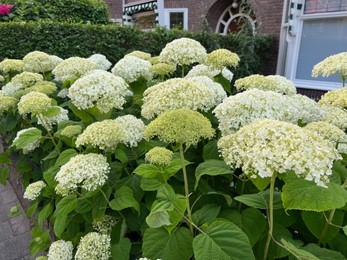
[(71, 131), (33, 103), (181, 126), (39, 62), (267, 147), (88, 171), (309, 110), (11, 65), (60, 250), (30, 146), (162, 69), (226, 73), (155, 60), (133, 129), (336, 116), (22, 81), (183, 51), (179, 93), (101, 61), (104, 225), (33, 191), (140, 54), (274, 83), (6, 103), (45, 87), (101, 89), (105, 135), (94, 246), (222, 58), (71, 69), (203, 70), (335, 98), (131, 68), (49, 121), (334, 64), (159, 155)]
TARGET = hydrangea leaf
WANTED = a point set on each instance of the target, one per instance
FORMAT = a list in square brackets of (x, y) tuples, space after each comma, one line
[(306, 195), (210, 151), (124, 198), (316, 224), (52, 111), (65, 156), (261, 200), (298, 253), (159, 244), (207, 212), (27, 137), (222, 240), (174, 166), (121, 250), (150, 184), (4, 174), (323, 253), (253, 224), (345, 230), (212, 168), (147, 170), (260, 183), (45, 213), (159, 215)]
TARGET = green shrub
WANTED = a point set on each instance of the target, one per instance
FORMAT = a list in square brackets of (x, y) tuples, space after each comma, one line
[(74, 11), (67, 40)]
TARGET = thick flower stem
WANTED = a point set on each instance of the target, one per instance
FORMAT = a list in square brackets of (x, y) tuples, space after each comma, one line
[(325, 229), (270, 216), (186, 190)]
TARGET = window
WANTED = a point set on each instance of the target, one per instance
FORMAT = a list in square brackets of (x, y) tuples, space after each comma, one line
[(176, 18)]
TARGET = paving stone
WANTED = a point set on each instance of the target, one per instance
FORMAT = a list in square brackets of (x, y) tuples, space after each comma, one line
[(6, 187), (8, 196), (5, 231), (16, 247), (19, 224)]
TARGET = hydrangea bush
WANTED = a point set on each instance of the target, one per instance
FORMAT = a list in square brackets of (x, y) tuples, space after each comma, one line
[(140, 163)]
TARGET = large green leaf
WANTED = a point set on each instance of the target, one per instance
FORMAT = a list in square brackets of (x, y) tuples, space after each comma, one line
[(323, 253), (174, 166), (5, 157), (211, 168), (298, 253), (28, 137), (207, 212), (253, 224), (210, 150), (49, 176), (84, 116), (45, 213), (306, 195), (60, 225), (121, 250), (4, 174), (150, 184), (222, 240), (66, 205), (147, 170), (316, 223), (261, 200), (175, 216), (65, 156), (124, 198), (159, 244), (159, 215), (260, 183), (51, 111)]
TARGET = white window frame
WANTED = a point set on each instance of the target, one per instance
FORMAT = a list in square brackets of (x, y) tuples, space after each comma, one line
[(294, 43), (167, 12)]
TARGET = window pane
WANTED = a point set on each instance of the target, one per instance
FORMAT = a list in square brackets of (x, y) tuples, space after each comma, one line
[(176, 20), (322, 6), (320, 39)]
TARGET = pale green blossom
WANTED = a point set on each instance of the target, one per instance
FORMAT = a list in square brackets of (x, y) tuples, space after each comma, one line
[(334, 64), (60, 250), (94, 246), (39, 62), (309, 110), (22, 81), (71, 131), (12, 65), (183, 51), (336, 116), (140, 54), (131, 68), (33, 191), (133, 129), (6, 103), (73, 68), (41, 258), (104, 225), (63, 93), (267, 147), (105, 135), (101, 89), (45, 87), (88, 171), (155, 60), (203, 70), (162, 69), (2, 78), (222, 58), (33, 103), (181, 126), (335, 98), (101, 61), (159, 155)]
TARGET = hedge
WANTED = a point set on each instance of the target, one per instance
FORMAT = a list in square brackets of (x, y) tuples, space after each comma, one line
[(67, 40)]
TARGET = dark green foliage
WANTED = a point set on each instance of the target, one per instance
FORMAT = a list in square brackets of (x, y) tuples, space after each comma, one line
[(67, 40), (73, 11)]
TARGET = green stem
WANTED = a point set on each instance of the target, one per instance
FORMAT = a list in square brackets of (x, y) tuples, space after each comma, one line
[(182, 71), (103, 193), (270, 216), (44, 124), (325, 229), (241, 193), (186, 190)]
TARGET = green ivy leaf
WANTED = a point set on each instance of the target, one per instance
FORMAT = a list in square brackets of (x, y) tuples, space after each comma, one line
[(298, 253), (4, 174), (316, 223), (207, 212), (158, 243), (211, 168), (147, 170), (65, 156), (261, 200), (323, 253), (27, 137), (222, 240), (306, 195), (124, 198)]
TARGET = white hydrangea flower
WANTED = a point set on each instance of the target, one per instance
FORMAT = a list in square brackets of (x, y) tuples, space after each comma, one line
[(159, 155), (88, 171), (39, 62), (226, 73), (183, 51), (94, 246), (331, 65), (60, 250), (310, 111), (33, 191), (56, 60), (104, 225), (140, 54), (105, 135), (267, 147), (131, 68), (71, 69), (222, 58), (31, 146), (34, 103), (203, 70), (335, 98), (101, 89), (12, 65), (63, 93), (335, 116), (101, 60), (22, 81), (179, 93), (49, 121), (6, 103), (133, 129)]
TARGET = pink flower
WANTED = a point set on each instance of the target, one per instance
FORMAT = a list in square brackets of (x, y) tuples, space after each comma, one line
[(5, 9)]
